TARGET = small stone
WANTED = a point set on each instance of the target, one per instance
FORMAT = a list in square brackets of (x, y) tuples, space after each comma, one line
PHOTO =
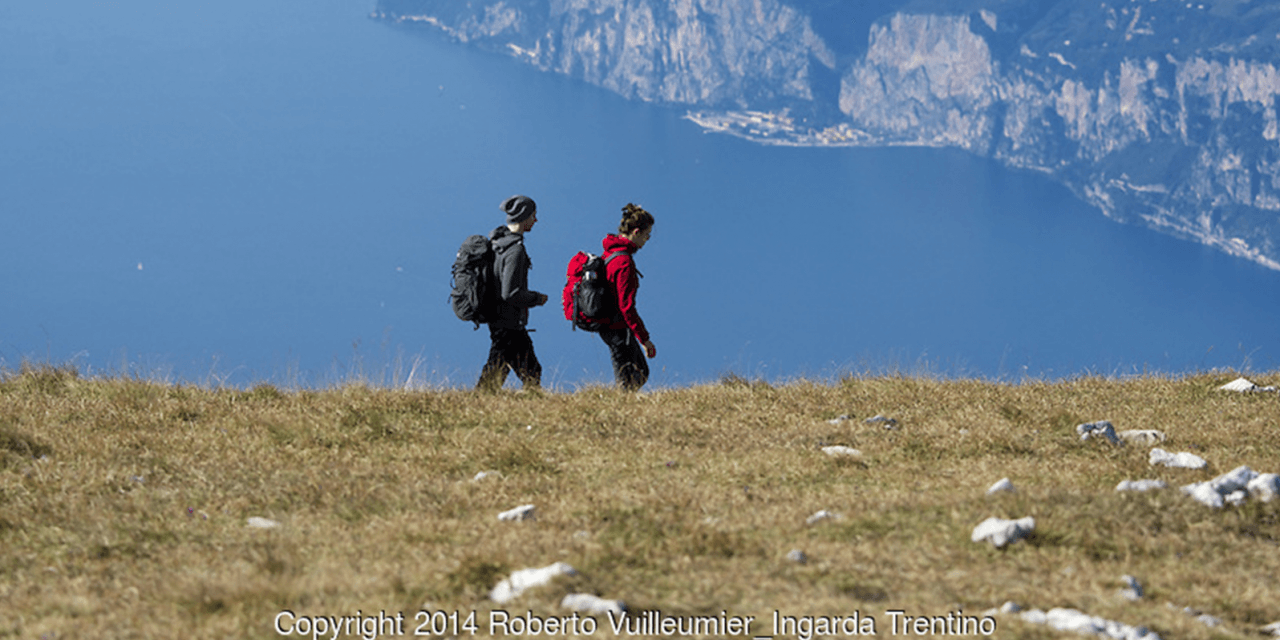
[(1141, 436), (522, 512), (1182, 460), (797, 556), (1000, 532), (592, 605), (840, 418), (1065, 619), (1231, 488), (889, 423), (262, 523), (819, 516), (485, 474), (1072, 620), (1205, 494), (1100, 429), (1132, 590), (1034, 616), (1265, 487), (1208, 620), (1273, 629), (1004, 485), (841, 451), (1239, 384), (510, 588), (1141, 485), (1234, 480), (1244, 385)]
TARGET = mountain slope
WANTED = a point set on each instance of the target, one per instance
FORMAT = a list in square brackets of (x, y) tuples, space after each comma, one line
[(1159, 113)]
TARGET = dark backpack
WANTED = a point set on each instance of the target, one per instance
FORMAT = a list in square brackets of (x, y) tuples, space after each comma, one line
[(590, 303), (474, 295)]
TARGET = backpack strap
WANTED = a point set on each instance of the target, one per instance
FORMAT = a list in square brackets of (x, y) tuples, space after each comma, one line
[(624, 252)]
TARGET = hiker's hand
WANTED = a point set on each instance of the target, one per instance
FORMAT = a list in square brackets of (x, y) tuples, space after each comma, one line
[(650, 350), (542, 299)]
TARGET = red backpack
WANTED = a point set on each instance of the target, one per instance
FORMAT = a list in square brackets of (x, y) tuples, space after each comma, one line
[(589, 301)]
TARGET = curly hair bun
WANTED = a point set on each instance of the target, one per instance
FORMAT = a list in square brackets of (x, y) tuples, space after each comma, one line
[(634, 218)]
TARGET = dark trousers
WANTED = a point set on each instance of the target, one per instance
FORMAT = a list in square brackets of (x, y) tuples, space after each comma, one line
[(629, 366), (510, 349)]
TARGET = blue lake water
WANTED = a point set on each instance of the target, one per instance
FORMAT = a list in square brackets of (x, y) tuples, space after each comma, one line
[(239, 192)]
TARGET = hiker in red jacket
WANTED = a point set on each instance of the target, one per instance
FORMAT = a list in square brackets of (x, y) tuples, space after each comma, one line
[(627, 338)]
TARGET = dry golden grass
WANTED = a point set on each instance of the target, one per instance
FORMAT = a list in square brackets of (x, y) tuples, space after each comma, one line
[(123, 503)]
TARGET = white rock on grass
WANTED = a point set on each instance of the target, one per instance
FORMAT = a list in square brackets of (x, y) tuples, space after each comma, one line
[(840, 418), (1199, 616), (1003, 485), (262, 523), (841, 451), (889, 423), (1273, 629), (1132, 590), (1265, 487), (1141, 485), (1244, 385), (1239, 384), (1101, 429), (1205, 495), (592, 605), (1234, 480), (1080, 622), (1208, 620), (1228, 488), (485, 474), (522, 512), (1034, 616), (517, 583), (1182, 460), (797, 556), (1141, 436), (1008, 607), (819, 516), (1001, 532)]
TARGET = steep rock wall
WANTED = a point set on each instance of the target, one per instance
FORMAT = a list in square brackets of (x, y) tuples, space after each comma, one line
[(696, 52), (1163, 114), (1188, 146)]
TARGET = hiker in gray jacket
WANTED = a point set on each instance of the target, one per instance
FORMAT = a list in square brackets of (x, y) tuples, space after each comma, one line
[(510, 346)]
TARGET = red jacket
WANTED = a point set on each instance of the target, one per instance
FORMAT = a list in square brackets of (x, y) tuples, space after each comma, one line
[(622, 274)]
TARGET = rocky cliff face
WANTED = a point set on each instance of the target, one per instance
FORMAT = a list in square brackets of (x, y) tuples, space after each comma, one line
[(703, 52), (1158, 112), (1182, 140)]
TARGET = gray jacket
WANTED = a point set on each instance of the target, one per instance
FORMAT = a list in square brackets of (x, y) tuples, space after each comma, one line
[(511, 266)]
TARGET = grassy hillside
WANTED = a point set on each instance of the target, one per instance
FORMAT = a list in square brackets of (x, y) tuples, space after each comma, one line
[(124, 504)]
